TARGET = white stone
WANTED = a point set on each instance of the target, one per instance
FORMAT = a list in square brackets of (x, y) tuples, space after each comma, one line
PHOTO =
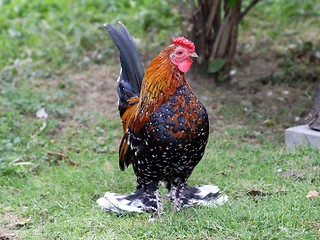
[(303, 136)]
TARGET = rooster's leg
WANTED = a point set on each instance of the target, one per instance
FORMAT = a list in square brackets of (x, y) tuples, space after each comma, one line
[(175, 189), (150, 198)]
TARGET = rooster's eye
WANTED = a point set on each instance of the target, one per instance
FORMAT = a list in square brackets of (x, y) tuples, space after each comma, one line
[(179, 52)]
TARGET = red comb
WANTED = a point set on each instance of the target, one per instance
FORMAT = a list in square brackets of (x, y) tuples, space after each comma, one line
[(184, 42)]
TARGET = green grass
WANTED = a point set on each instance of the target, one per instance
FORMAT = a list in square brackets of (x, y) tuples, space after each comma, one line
[(42, 35), (60, 200), (43, 46)]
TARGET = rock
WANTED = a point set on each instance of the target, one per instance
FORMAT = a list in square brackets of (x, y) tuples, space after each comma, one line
[(302, 136)]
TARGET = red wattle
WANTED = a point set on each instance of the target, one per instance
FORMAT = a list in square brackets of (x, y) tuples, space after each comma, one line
[(185, 65)]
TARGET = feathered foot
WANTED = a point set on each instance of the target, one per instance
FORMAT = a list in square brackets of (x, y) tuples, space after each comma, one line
[(187, 196), (138, 202)]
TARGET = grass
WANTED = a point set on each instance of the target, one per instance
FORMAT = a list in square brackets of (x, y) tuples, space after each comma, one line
[(72, 34), (53, 170), (60, 200)]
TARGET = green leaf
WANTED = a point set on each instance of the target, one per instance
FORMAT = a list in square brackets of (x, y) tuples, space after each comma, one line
[(216, 65), (232, 3)]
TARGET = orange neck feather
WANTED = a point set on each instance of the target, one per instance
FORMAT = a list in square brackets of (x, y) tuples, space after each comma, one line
[(161, 79)]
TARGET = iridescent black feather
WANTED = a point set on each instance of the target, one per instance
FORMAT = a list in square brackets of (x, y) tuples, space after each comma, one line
[(132, 72)]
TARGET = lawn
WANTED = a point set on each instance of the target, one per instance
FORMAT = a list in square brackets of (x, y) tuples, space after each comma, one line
[(56, 55)]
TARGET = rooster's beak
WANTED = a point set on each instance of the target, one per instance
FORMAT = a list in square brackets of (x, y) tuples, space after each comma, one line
[(193, 55)]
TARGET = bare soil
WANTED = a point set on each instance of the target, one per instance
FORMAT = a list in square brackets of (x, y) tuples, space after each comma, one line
[(274, 84), (281, 104), (10, 223)]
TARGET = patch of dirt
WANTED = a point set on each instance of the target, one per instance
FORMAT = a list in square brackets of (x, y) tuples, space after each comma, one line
[(305, 174), (265, 100), (93, 92), (96, 90), (258, 195), (278, 106), (256, 68), (10, 223)]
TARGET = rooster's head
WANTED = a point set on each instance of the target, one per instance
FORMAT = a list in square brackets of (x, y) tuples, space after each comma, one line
[(183, 52)]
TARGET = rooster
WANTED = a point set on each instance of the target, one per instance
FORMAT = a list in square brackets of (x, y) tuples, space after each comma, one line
[(165, 128)]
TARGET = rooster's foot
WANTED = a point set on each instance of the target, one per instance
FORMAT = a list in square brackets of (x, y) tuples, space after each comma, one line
[(138, 202)]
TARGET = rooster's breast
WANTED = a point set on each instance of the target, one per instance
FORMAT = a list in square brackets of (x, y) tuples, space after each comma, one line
[(176, 133)]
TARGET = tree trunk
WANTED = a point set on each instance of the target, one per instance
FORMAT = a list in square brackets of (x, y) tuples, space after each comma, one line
[(213, 27), (313, 118)]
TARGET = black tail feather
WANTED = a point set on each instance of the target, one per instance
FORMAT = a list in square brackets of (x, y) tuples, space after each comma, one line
[(132, 72)]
